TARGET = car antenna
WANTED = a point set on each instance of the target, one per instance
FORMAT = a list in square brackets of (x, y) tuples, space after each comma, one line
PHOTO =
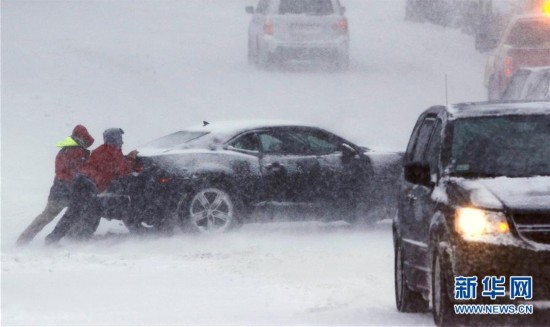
[(204, 123)]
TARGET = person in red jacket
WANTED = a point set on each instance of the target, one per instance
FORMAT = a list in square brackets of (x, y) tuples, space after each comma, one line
[(69, 160), (106, 164)]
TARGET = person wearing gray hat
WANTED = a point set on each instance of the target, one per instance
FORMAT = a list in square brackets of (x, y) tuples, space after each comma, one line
[(106, 164)]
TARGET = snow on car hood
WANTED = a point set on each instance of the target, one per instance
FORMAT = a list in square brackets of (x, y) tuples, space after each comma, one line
[(514, 193)]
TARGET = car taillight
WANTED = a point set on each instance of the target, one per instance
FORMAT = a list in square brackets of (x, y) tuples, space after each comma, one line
[(343, 25), (268, 27), (164, 180), (508, 69)]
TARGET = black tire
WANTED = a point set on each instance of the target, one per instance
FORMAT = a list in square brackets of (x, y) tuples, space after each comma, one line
[(252, 54), (492, 90), (264, 59), (442, 301), (343, 62), (211, 209), (406, 299), (142, 226)]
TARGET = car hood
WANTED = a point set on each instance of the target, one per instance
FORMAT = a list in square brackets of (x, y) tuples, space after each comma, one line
[(529, 193)]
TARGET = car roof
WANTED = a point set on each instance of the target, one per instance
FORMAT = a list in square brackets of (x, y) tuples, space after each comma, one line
[(232, 127), (528, 17), (487, 109)]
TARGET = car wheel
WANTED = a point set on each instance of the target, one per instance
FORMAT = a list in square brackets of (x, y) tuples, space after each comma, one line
[(492, 89), (151, 225), (265, 59), (343, 62), (252, 55), (442, 304), (212, 209), (406, 299)]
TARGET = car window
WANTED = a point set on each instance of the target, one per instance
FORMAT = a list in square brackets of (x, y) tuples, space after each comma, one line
[(501, 146), (434, 148), (262, 7), (283, 142), (529, 34), (321, 143), (423, 138), (413, 139), (175, 139), (539, 91), (248, 142), (514, 90), (308, 7)]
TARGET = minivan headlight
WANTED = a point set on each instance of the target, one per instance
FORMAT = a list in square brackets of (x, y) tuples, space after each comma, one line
[(479, 222)]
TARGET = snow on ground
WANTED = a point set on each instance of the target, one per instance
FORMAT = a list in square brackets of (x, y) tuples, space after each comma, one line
[(153, 67)]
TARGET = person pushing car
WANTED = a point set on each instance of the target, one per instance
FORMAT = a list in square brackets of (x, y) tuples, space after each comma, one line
[(106, 164), (70, 158)]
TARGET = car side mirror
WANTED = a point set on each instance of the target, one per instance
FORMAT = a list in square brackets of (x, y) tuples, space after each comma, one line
[(418, 173), (249, 9), (342, 10)]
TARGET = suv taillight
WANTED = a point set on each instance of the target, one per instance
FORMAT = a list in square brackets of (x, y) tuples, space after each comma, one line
[(268, 27), (508, 66), (343, 25)]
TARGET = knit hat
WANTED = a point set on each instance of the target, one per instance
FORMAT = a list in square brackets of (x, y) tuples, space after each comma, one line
[(113, 136), (82, 137)]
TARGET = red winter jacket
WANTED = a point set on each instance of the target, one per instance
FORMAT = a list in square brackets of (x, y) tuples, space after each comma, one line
[(73, 155), (107, 163), (69, 161)]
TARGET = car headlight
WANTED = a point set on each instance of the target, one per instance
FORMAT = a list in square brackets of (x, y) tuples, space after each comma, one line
[(478, 222)]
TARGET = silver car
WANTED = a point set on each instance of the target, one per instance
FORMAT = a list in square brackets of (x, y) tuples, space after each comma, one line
[(285, 30)]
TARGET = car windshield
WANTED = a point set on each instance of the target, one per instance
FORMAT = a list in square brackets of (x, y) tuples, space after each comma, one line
[(512, 146), (175, 139), (530, 34), (308, 7)]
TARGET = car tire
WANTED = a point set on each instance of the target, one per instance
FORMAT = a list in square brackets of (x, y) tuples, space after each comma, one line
[(442, 303), (406, 299), (252, 54), (265, 59), (137, 225), (492, 89), (211, 209), (343, 62)]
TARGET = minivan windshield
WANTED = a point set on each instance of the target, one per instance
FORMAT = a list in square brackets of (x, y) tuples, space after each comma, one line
[(514, 146), (307, 7)]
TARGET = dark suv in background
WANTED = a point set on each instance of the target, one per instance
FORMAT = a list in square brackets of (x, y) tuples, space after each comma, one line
[(475, 201)]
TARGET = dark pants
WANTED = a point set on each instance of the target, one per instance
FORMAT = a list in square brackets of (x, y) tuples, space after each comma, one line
[(83, 215), (58, 199)]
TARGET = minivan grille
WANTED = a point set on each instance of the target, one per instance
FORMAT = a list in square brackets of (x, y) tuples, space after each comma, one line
[(534, 226)]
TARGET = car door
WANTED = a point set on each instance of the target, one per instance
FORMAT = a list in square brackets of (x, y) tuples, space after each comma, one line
[(288, 167), (342, 173), (413, 228)]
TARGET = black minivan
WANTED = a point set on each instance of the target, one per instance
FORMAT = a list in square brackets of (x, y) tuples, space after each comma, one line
[(474, 210)]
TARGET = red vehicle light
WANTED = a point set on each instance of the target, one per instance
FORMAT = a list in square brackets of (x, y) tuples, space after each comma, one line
[(268, 27), (343, 25), (164, 180), (508, 61)]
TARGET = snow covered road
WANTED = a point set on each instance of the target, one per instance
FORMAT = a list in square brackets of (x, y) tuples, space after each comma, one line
[(153, 67)]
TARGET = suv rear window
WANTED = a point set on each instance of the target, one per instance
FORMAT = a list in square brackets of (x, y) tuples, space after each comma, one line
[(530, 34), (308, 7)]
